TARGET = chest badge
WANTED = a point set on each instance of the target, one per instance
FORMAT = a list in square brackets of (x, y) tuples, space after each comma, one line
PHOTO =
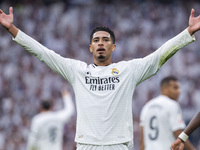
[(115, 71)]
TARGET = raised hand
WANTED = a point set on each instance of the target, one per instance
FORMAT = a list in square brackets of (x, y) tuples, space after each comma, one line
[(6, 20), (194, 23)]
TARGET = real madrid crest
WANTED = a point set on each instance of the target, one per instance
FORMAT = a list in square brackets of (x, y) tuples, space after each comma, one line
[(115, 71)]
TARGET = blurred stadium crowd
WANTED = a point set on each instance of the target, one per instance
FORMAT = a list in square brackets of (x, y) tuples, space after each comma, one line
[(141, 26)]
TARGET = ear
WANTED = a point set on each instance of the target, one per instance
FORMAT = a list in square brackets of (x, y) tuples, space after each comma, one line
[(90, 47), (114, 47)]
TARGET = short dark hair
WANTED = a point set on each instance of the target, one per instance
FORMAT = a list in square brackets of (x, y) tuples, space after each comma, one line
[(101, 28), (46, 104), (166, 80)]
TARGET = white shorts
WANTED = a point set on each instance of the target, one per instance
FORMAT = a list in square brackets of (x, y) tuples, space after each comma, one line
[(101, 147)]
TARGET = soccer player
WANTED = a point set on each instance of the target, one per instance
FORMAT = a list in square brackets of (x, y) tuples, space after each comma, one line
[(182, 138), (103, 89), (161, 118), (46, 131)]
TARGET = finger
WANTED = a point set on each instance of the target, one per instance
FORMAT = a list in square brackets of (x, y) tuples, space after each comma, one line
[(11, 10), (192, 12), (1, 11)]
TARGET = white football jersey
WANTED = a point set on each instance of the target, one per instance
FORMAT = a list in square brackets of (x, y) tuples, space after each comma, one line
[(104, 93), (160, 117), (46, 131)]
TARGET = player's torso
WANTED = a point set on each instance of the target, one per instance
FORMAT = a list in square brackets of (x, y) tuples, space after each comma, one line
[(103, 97), (157, 127), (50, 131)]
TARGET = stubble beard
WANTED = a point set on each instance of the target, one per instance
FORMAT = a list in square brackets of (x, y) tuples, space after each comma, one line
[(101, 57)]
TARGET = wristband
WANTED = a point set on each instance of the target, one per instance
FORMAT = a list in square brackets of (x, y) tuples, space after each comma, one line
[(183, 136)]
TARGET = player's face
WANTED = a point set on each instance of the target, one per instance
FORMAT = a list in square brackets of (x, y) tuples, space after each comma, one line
[(174, 90), (102, 46)]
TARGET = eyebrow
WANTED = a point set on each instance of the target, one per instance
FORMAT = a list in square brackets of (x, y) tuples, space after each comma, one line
[(102, 37)]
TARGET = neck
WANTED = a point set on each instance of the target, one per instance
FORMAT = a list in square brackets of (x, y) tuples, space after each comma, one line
[(102, 63)]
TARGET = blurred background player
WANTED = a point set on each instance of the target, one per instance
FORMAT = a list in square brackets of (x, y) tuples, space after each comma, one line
[(182, 138), (46, 131), (161, 118)]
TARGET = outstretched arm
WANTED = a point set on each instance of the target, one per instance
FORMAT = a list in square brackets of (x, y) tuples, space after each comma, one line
[(194, 23), (193, 125), (7, 22), (56, 62)]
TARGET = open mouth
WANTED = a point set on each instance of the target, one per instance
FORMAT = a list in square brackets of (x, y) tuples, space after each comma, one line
[(100, 50)]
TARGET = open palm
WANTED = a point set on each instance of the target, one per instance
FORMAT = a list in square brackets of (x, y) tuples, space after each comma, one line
[(6, 20), (194, 22)]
